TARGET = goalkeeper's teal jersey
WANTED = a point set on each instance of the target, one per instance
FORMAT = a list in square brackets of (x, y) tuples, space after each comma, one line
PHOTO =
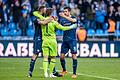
[(48, 31)]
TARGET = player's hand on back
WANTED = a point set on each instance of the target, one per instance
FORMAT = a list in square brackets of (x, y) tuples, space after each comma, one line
[(46, 21), (50, 19), (38, 21)]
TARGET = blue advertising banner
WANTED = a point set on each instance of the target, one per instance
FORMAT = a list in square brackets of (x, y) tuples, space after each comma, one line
[(92, 49)]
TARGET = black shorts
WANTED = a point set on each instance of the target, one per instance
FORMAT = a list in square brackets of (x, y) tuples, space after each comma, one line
[(69, 45), (37, 46)]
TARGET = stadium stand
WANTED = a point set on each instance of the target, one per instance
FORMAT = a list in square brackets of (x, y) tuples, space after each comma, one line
[(19, 32), (99, 32), (4, 32), (13, 32), (11, 26), (90, 32), (92, 14), (30, 32)]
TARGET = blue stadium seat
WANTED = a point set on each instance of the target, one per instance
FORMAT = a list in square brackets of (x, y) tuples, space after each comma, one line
[(13, 32), (90, 32), (99, 32), (106, 32), (117, 32), (2, 26), (30, 27), (4, 32), (19, 32), (105, 26), (30, 32), (11, 26)]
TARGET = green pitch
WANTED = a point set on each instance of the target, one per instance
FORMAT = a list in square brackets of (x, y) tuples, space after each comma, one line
[(88, 69)]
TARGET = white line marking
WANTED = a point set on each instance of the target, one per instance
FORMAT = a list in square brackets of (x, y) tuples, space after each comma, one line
[(90, 75)]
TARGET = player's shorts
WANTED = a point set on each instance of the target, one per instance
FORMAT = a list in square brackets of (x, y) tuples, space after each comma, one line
[(49, 47), (69, 45), (37, 46)]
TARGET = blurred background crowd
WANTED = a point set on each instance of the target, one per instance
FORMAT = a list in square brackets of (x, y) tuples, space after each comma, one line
[(96, 16)]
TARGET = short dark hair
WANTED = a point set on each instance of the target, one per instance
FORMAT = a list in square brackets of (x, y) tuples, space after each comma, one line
[(41, 7), (69, 9)]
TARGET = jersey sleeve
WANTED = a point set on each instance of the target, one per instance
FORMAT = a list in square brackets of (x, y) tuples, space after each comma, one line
[(35, 19), (59, 26), (37, 14)]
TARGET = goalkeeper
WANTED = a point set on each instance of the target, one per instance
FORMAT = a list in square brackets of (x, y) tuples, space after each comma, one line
[(49, 44)]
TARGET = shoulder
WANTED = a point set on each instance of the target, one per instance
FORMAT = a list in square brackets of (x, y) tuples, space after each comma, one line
[(34, 12), (61, 18)]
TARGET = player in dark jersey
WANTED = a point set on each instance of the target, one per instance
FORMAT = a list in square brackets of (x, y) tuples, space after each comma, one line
[(38, 41), (69, 41)]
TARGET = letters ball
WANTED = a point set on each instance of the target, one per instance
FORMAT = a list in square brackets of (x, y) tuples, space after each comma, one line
[(81, 34)]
